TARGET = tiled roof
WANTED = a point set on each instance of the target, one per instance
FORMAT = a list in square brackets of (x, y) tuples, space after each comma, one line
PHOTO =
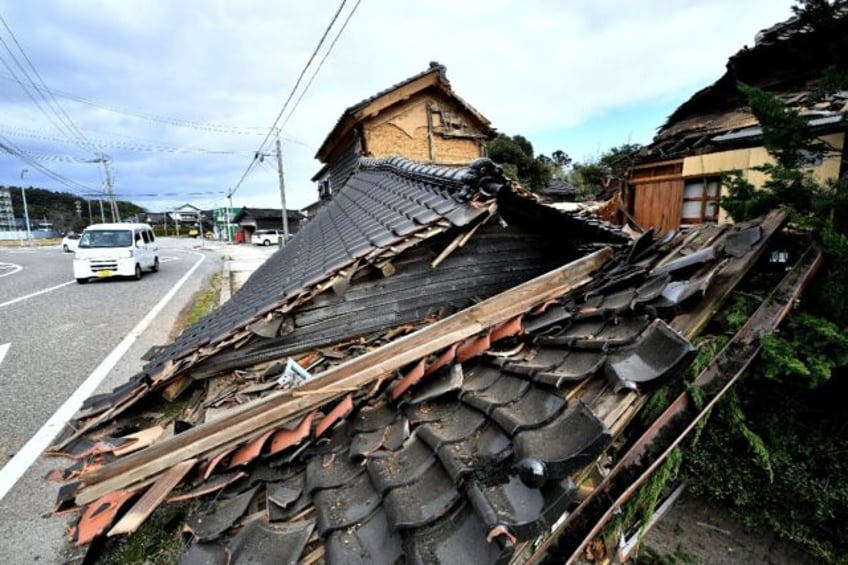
[(470, 460), (385, 203), (469, 452)]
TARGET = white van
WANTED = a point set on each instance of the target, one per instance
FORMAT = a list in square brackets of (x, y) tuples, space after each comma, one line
[(109, 250)]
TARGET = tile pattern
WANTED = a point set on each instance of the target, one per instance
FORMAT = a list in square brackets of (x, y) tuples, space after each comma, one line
[(484, 458)]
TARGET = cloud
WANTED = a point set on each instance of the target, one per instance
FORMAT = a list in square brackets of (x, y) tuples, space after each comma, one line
[(531, 67)]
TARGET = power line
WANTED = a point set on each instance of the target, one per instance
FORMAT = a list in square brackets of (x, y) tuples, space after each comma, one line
[(321, 64), (169, 120), (290, 96), (9, 147)]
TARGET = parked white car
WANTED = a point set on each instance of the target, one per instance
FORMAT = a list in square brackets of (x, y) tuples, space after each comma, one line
[(70, 242), (266, 237), (109, 250)]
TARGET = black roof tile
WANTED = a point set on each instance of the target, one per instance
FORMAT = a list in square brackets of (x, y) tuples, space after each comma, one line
[(278, 512), (374, 417), (341, 507), (577, 366), (483, 453), (213, 520), (390, 438), (423, 501), (565, 445), (537, 359), (370, 542), (330, 470), (459, 537), (259, 543), (532, 410), (480, 377), (505, 390), (430, 411), (524, 510), (457, 425), (390, 470), (205, 554), (660, 354)]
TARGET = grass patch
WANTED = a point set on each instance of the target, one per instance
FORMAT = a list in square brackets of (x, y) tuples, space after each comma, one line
[(204, 301), (158, 541)]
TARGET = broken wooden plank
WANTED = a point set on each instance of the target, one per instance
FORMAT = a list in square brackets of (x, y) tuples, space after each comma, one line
[(270, 412), (140, 440), (151, 499), (693, 322), (681, 417)]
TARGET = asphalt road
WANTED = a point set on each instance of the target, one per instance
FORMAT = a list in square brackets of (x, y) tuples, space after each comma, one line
[(54, 335)]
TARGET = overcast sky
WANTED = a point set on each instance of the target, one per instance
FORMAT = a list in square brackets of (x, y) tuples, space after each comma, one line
[(180, 95)]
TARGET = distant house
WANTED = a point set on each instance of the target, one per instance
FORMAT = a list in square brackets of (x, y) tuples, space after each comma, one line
[(560, 190), (678, 179), (185, 214), (420, 118), (252, 219)]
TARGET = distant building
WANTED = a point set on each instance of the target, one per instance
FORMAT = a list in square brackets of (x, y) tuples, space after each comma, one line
[(251, 219)]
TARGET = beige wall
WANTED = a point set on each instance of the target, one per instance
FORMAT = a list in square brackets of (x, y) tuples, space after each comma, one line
[(745, 159), (403, 130)]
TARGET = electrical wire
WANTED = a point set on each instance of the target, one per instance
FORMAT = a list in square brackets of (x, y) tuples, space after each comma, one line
[(320, 64), (289, 98)]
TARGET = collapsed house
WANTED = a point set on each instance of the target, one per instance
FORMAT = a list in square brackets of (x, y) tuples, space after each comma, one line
[(679, 178), (434, 369)]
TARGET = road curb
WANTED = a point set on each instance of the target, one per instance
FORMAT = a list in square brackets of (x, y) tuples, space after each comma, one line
[(226, 281)]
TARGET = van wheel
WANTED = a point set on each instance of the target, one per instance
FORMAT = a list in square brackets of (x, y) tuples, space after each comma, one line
[(137, 272), (155, 267), (82, 281), (266, 243), (65, 249)]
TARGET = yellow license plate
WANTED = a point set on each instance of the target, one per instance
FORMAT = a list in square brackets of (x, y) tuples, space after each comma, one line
[(104, 274)]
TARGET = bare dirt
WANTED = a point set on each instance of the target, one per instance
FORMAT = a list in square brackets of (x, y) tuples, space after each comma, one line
[(700, 532)]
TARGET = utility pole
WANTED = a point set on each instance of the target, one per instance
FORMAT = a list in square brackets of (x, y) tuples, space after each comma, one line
[(102, 217), (282, 191), (26, 212), (230, 217)]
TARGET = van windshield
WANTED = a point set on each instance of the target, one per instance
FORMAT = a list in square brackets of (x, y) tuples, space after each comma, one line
[(106, 238)]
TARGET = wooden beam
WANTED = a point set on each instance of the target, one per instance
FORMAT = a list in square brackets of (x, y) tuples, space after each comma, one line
[(275, 409), (151, 499)]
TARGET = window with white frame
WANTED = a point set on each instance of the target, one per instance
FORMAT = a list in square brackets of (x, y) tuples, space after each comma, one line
[(700, 200)]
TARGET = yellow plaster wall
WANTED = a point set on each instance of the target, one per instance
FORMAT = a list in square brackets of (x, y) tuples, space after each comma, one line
[(745, 159), (403, 130)]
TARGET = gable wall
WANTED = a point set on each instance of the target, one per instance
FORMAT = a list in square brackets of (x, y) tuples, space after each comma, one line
[(412, 129)]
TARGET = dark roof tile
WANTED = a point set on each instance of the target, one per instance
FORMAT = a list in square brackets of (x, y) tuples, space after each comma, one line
[(390, 470), (341, 507), (484, 452), (577, 366), (524, 510), (370, 542), (660, 354), (210, 522), (455, 426), (532, 410), (270, 544), (505, 390), (459, 537), (565, 445), (331, 470), (423, 501)]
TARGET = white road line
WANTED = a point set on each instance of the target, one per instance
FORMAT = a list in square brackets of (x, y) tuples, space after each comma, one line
[(27, 455), (21, 298), (14, 269), (4, 349)]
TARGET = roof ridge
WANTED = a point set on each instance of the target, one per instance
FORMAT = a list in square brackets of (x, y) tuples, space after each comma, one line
[(481, 175)]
